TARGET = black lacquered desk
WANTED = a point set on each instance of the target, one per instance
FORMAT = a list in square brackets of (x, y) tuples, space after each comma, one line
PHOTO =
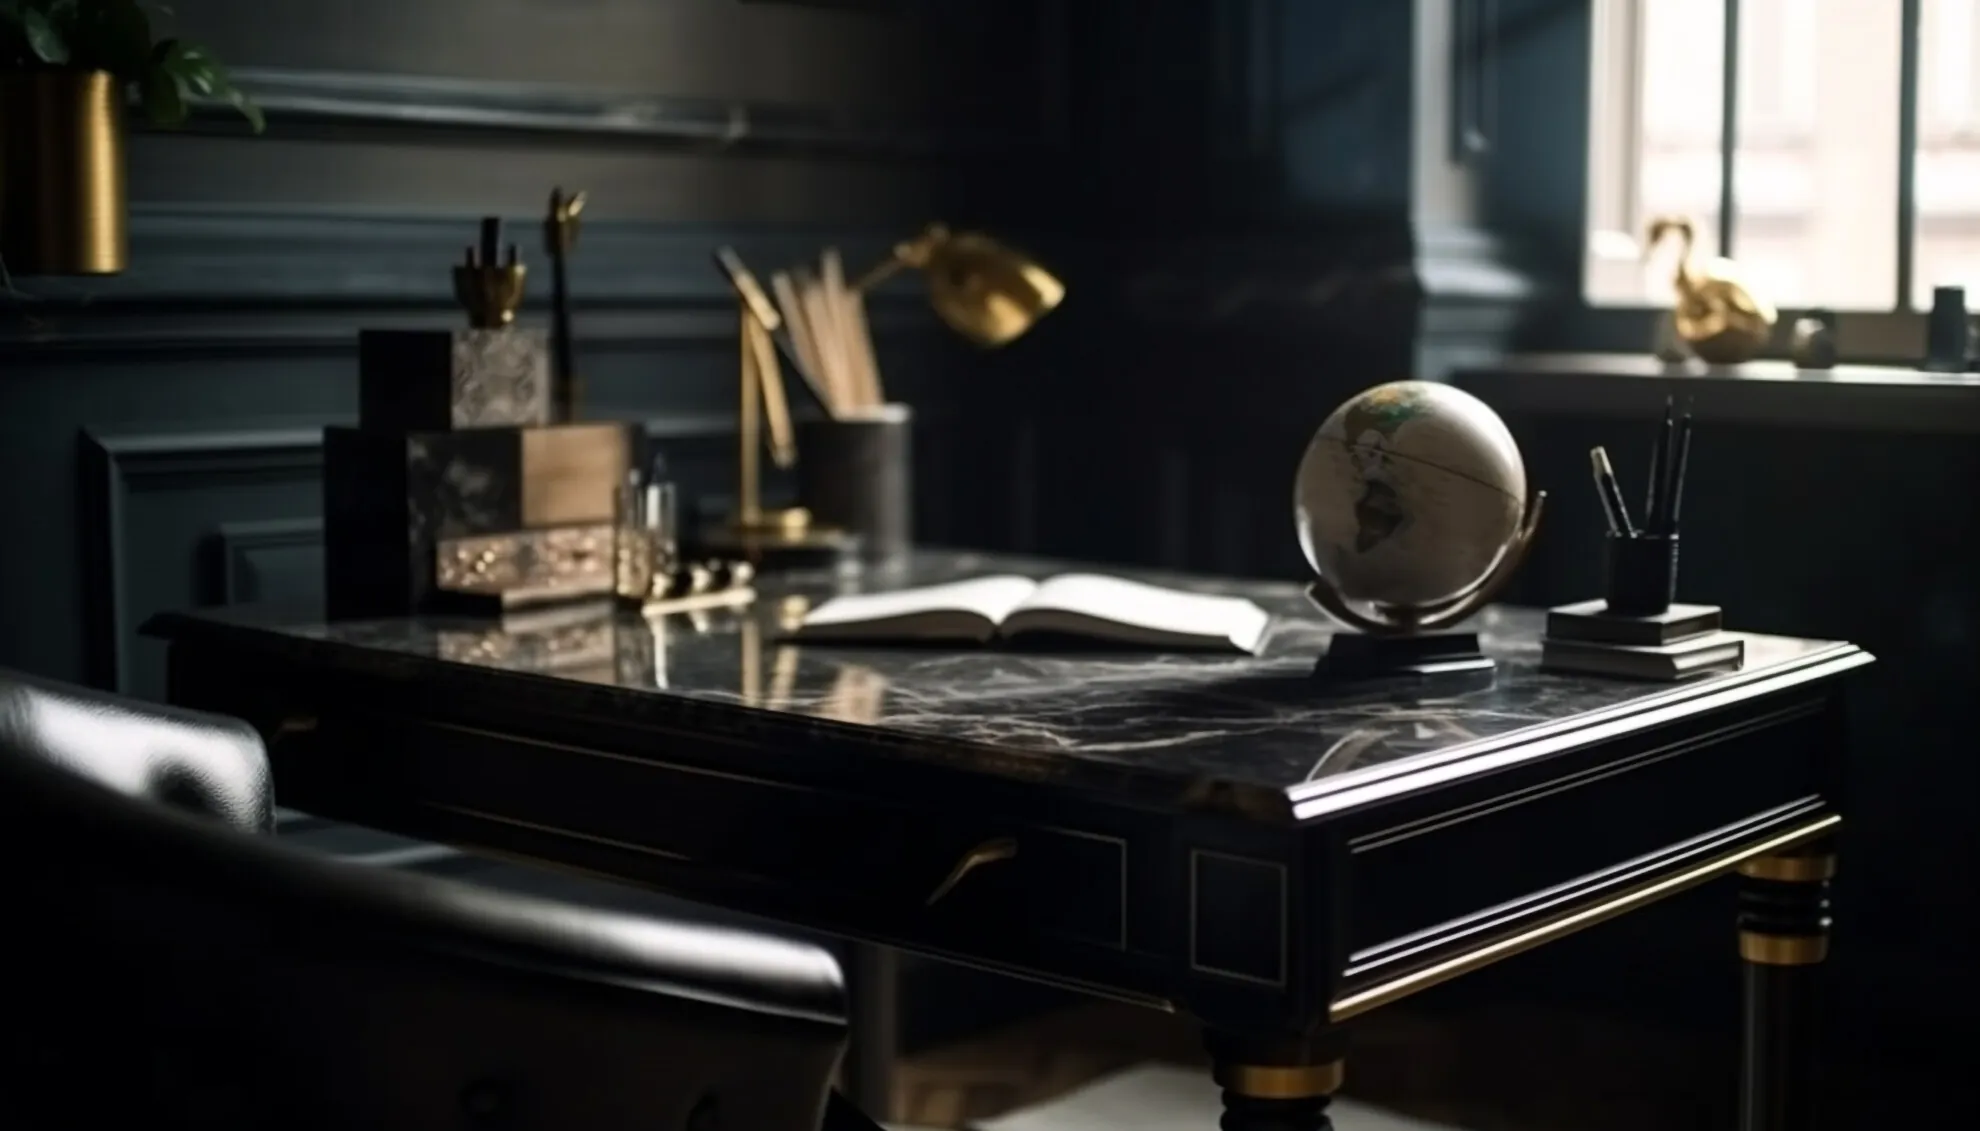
[(1192, 833)]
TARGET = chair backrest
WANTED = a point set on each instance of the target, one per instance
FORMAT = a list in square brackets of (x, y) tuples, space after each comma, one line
[(170, 971), (204, 763)]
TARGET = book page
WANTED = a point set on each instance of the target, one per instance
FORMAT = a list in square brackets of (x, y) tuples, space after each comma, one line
[(990, 598), (1168, 613)]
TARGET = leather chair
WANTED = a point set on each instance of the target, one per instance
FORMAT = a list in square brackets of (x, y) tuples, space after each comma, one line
[(172, 968)]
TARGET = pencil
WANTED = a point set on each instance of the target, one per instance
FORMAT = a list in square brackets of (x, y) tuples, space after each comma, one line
[(1677, 474), (1655, 496), (1610, 492)]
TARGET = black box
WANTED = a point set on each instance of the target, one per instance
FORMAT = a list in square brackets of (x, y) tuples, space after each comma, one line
[(435, 380), (478, 520)]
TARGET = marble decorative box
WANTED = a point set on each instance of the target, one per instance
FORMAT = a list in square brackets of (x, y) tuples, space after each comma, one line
[(478, 520), (435, 380)]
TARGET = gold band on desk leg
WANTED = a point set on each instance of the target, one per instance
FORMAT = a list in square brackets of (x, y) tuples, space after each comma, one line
[(1282, 1081), (1783, 950), (1790, 869)]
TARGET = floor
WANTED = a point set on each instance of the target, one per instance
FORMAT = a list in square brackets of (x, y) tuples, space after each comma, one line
[(1164, 1097), (1503, 1069)]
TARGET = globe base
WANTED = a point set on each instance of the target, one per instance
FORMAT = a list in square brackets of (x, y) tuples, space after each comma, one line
[(1449, 660)]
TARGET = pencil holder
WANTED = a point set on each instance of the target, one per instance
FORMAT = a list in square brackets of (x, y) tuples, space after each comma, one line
[(854, 474), (1641, 573)]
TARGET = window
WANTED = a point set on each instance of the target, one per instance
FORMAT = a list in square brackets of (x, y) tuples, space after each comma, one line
[(1837, 108)]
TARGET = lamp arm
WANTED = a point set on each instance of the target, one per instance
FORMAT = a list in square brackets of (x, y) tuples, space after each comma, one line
[(879, 273), (911, 253)]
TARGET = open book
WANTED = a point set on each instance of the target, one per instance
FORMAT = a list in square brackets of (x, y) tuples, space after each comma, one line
[(1075, 604)]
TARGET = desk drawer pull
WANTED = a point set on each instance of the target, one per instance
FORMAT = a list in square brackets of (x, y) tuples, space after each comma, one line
[(989, 852)]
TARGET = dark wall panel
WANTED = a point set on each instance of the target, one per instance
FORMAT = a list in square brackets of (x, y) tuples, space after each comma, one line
[(1224, 187), (471, 174)]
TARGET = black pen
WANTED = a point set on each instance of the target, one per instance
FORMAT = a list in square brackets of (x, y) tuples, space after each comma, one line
[(1676, 489), (1611, 493), (1656, 493)]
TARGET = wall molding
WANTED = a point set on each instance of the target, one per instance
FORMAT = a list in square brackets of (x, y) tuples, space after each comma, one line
[(299, 101), (239, 542), (212, 280), (115, 467), (205, 278), (193, 255)]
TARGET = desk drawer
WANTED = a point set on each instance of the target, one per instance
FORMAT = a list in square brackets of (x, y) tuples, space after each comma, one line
[(814, 854)]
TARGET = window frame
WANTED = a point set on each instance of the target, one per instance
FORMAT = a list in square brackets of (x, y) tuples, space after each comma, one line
[(1611, 248)]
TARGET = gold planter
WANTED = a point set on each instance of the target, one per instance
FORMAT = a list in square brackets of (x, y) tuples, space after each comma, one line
[(62, 206)]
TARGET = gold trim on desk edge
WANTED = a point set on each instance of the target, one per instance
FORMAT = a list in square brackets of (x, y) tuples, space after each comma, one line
[(1395, 989), (1782, 950), (1281, 1081), (1790, 869)]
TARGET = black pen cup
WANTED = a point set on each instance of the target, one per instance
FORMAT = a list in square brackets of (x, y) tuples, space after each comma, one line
[(1641, 573), (855, 473)]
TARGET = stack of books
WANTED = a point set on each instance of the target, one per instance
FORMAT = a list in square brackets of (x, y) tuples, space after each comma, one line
[(1678, 643)]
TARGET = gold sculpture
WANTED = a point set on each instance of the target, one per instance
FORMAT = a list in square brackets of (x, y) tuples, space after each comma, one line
[(1717, 314), (560, 232), (488, 285)]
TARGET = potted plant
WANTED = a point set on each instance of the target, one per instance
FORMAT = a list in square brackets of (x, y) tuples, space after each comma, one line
[(68, 70)]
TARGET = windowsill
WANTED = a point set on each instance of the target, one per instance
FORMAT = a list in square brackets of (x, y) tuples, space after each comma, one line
[(1774, 393)]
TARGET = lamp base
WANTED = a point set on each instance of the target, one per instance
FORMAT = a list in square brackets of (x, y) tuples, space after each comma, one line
[(1450, 660), (772, 541)]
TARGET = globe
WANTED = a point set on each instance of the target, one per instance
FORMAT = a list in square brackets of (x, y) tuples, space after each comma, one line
[(1409, 495)]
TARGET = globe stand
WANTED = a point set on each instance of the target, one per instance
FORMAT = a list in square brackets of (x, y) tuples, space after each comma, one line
[(1448, 659), (1418, 644)]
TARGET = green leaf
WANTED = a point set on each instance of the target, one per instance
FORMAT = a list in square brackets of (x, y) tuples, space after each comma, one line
[(163, 100), (248, 110), (43, 38), (200, 76)]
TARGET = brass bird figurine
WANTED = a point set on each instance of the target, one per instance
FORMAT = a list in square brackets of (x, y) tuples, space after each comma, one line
[(1717, 315)]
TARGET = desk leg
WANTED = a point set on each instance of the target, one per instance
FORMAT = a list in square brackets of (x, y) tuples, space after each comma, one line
[(873, 983), (1277, 1085), (1783, 938)]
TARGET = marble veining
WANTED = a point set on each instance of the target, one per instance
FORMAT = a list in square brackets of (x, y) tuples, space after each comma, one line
[(1196, 721)]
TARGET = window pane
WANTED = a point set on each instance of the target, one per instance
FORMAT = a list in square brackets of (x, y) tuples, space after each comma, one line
[(1946, 185), (1682, 76), (1815, 174)]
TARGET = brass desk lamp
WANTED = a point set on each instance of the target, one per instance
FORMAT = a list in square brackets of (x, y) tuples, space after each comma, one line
[(985, 291), (754, 533)]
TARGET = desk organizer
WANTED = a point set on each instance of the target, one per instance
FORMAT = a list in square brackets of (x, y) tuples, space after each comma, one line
[(455, 493), (856, 475), (1679, 642)]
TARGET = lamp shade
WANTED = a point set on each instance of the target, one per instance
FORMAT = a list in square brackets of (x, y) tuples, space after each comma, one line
[(983, 290)]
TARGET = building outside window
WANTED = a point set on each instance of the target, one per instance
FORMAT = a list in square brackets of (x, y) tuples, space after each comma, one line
[(1818, 153)]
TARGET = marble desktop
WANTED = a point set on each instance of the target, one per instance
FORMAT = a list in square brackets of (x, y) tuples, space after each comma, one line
[(1189, 721)]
